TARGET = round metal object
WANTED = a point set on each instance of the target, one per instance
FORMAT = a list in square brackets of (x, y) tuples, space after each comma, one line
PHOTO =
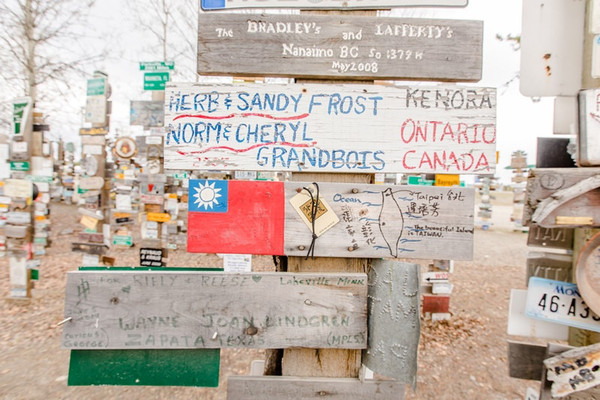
[(125, 147), (587, 273)]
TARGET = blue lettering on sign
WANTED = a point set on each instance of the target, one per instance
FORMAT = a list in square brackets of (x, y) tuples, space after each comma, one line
[(282, 157), (213, 4)]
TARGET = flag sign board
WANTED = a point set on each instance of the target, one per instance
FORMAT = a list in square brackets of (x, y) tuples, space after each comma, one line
[(155, 80), (214, 310), (208, 5), (374, 221), (330, 128), (157, 65), (339, 47)]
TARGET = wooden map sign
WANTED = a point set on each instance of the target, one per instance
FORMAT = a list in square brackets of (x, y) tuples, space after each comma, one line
[(353, 220), (563, 197), (330, 128), (553, 266), (327, 4), (177, 310), (339, 47)]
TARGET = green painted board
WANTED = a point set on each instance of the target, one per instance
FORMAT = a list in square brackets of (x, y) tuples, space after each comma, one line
[(19, 165), (189, 367), (195, 367)]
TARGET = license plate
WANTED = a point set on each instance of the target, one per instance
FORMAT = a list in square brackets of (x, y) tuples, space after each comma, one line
[(559, 302)]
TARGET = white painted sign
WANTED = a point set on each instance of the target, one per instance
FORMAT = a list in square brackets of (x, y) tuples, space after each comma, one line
[(588, 149), (96, 109), (521, 325), (208, 5), (430, 277), (565, 115), (42, 166), (123, 202), (18, 188), (551, 49), (331, 128), (237, 263)]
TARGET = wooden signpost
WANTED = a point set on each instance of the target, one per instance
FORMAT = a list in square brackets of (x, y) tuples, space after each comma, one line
[(362, 221), (340, 47), (178, 310), (331, 128)]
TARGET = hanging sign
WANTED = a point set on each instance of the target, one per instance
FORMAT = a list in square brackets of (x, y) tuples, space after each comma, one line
[(340, 47)]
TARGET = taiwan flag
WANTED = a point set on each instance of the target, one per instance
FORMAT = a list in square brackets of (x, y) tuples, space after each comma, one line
[(239, 217)]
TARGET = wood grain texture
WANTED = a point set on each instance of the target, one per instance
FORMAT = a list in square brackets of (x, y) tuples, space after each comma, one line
[(328, 4), (385, 221), (555, 238), (574, 370), (325, 362), (553, 192), (330, 128), (290, 388), (160, 309), (526, 360), (339, 47)]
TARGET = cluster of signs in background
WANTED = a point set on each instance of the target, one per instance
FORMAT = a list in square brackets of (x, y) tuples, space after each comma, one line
[(25, 197)]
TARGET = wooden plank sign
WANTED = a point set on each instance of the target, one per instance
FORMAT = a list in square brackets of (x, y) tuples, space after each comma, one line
[(327, 4), (176, 310), (339, 47), (574, 370), (563, 197), (556, 238), (362, 221), (286, 387), (553, 266), (330, 128), (394, 322), (525, 360)]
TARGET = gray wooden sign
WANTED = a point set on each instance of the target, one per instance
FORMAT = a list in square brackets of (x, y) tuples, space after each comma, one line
[(339, 47), (394, 320), (291, 387), (176, 310), (558, 267), (555, 238), (330, 128), (384, 221), (146, 113), (563, 197)]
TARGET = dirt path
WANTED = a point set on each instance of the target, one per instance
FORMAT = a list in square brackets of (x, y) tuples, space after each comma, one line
[(464, 358)]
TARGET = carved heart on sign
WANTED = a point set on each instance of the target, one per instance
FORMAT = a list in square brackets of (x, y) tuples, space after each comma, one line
[(256, 278)]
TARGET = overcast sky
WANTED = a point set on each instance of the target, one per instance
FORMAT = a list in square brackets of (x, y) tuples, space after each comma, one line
[(519, 119)]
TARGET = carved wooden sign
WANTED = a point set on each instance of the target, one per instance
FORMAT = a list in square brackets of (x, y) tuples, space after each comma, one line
[(353, 220), (563, 197), (394, 320), (340, 47), (555, 238), (330, 128), (176, 310), (553, 266)]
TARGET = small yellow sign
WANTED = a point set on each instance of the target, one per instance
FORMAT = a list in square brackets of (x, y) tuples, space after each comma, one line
[(158, 217), (89, 222), (447, 180), (121, 215)]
